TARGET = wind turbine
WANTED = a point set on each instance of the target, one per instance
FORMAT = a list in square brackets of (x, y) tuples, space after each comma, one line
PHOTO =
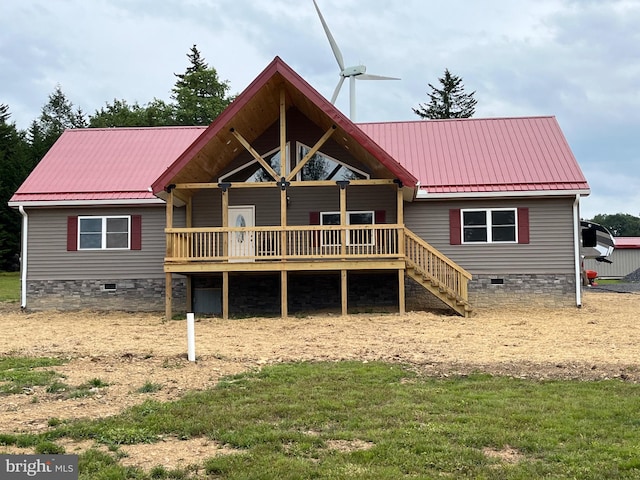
[(353, 73)]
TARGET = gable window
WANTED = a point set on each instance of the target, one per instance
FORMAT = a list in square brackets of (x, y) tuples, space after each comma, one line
[(489, 226), (354, 237), (323, 167), (104, 233), (252, 172)]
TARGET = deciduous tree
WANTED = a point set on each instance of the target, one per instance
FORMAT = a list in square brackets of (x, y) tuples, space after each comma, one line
[(619, 224), (121, 114)]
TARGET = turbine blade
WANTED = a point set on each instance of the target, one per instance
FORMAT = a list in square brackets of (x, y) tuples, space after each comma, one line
[(332, 42), (337, 90), (367, 76)]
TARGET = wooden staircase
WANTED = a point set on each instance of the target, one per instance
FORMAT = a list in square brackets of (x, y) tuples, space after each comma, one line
[(437, 273)]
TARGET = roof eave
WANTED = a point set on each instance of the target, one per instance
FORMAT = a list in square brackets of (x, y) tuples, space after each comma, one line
[(85, 203), (423, 194)]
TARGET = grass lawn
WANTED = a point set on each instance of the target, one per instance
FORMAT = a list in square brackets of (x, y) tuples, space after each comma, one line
[(608, 281), (9, 286), (377, 421)]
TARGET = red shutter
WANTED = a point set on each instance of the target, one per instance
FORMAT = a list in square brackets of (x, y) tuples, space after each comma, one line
[(72, 234), (380, 216), (455, 231), (523, 225), (136, 232)]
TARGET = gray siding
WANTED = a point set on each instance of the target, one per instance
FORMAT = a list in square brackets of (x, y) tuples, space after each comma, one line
[(48, 258), (551, 236), (207, 203)]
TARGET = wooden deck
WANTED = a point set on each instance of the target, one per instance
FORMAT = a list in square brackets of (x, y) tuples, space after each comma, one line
[(321, 248)]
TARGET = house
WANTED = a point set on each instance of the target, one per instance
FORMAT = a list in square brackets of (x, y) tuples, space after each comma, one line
[(625, 259), (424, 214)]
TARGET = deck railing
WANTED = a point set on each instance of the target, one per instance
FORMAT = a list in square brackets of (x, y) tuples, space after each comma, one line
[(313, 242), (441, 271)]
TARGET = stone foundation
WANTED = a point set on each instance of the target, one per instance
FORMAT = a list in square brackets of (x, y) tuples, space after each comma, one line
[(260, 294), (522, 290), (509, 290), (146, 295)]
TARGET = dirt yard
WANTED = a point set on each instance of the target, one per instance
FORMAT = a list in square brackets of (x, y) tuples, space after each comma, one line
[(125, 351)]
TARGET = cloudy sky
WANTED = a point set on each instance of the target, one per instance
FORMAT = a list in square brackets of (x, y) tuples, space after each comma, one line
[(576, 59)]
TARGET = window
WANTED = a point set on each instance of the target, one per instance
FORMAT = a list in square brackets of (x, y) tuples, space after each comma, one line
[(355, 237), (254, 172), (489, 226), (100, 233), (323, 167)]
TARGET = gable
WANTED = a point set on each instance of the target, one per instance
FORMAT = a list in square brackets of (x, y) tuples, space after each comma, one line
[(258, 108)]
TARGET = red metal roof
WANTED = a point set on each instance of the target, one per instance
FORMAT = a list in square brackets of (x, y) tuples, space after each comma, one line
[(105, 164), (464, 156), (627, 242), (482, 155)]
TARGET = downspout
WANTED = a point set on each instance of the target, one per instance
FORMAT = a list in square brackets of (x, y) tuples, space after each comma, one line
[(576, 250), (23, 257)]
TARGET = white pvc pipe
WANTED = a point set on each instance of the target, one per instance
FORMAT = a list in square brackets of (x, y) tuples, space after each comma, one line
[(191, 337), (576, 250), (23, 257)]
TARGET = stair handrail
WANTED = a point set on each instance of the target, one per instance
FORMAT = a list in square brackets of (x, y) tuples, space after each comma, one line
[(436, 266)]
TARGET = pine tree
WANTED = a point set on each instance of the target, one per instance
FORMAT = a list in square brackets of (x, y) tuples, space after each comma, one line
[(448, 102), (57, 115), (199, 93), (14, 168)]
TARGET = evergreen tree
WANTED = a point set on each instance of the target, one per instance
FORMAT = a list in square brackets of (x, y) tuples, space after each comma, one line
[(200, 95), (450, 101), (14, 168), (57, 115)]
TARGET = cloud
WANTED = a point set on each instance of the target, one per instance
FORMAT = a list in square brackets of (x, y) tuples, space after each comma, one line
[(576, 59)]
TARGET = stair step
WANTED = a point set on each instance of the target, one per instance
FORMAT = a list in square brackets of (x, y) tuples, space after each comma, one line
[(438, 289)]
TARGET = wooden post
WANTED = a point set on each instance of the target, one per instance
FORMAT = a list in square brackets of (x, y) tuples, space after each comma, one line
[(189, 294), (283, 174), (400, 221), (283, 223), (225, 221), (168, 296), (225, 295), (343, 220), (168, 282), (189, 212), (401, 250), (344, 292), (401, 294), (284, 297), (283, 134)]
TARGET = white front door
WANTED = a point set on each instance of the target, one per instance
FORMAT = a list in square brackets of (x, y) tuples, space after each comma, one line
[(242, 247)]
